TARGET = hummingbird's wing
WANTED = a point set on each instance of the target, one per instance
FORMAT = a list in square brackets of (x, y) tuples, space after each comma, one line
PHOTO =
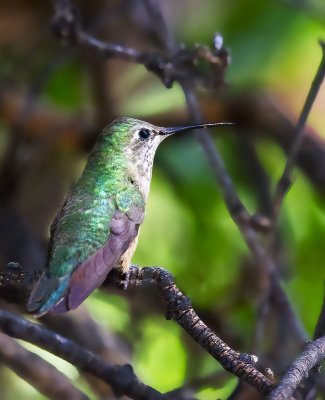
[(92, 273)]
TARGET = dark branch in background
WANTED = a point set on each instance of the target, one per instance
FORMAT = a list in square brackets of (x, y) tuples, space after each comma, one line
[(159, 27), (36, 371), (313, 355), (121, 378), (235, 207), (181, 65), (285, 180)]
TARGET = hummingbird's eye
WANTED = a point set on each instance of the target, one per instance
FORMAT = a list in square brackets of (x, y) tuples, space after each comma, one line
[(144, 134)]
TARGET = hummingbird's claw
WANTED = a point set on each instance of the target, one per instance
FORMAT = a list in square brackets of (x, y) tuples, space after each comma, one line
[(124, 282)]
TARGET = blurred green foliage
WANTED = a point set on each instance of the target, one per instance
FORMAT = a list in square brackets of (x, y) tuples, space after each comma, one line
[(71, 77), (187, 229)]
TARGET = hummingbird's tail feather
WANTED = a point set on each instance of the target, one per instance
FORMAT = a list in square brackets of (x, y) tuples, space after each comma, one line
[(46, 294)]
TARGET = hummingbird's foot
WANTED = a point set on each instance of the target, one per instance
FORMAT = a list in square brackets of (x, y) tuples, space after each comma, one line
[(124, 282), (118, 279)]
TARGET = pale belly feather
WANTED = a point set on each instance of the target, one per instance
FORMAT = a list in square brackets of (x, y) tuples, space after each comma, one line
[(125, 260)]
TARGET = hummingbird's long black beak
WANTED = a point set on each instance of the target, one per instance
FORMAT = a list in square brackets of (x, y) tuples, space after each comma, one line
[(176, 129)]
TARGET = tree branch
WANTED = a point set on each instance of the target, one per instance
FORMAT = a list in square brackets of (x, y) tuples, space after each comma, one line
[(37, 372), (121, 378), (179, 66), (299, 370)]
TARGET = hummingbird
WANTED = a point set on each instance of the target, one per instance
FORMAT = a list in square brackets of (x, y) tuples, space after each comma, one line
[(97, 227)]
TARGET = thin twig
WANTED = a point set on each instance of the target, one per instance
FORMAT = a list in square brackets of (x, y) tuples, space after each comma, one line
[(299, 370), (235, 207), (285, 180), (121, 378), (160, 27)]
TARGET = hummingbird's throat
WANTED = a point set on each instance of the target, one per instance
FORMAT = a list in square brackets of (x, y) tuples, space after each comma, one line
[(141, 163)]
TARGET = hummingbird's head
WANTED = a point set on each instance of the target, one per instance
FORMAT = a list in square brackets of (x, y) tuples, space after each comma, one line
[(138, 140)]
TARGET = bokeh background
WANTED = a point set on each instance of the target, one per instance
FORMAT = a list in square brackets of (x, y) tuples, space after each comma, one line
[(55, 99)]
